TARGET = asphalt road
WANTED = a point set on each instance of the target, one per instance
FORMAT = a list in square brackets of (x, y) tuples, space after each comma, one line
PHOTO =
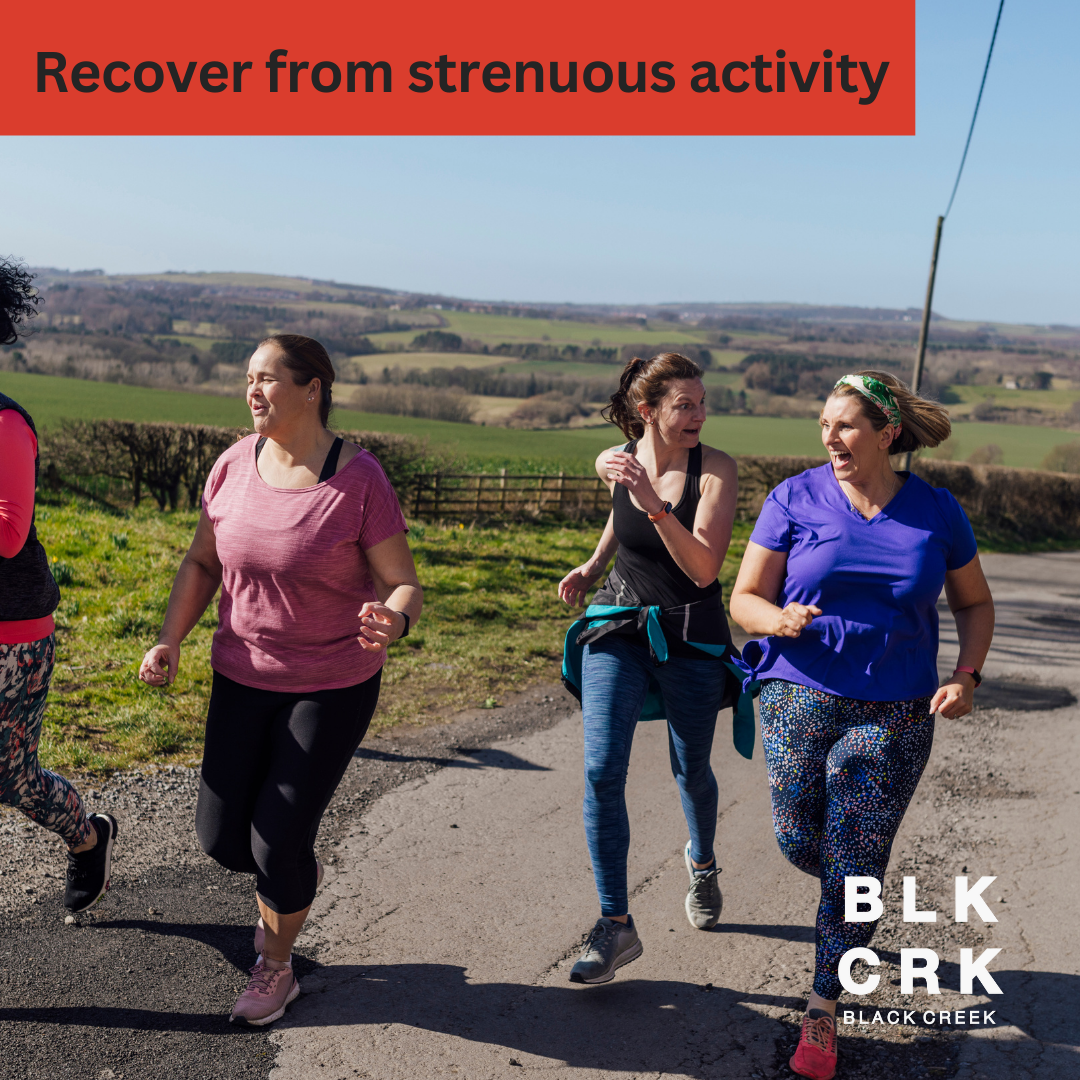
[(458, 891)]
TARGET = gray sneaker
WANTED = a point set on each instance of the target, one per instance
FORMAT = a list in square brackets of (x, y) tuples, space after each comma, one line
[(611, 944), (704, 901)]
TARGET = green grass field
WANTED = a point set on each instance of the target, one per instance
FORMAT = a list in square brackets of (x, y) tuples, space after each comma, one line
[(240, 280), (373, 363), (1046, 400), (51, 398), (492, 625), (494, 329), (1023, 447), (194, 341)]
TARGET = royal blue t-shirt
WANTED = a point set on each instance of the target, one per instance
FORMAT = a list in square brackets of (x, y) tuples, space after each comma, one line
[(877, 583)]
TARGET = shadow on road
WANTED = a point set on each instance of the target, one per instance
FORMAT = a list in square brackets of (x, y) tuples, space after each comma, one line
[(232, 942), (1022, 697), (782, 933), (1041, 1004), (483, 759), (675, 1028)]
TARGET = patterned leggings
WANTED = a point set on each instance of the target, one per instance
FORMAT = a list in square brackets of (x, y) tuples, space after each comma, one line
[(43, 796), (842, 773)]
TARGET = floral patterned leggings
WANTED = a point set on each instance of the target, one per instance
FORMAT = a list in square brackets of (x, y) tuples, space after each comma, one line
[(43, 796), (842, 773)]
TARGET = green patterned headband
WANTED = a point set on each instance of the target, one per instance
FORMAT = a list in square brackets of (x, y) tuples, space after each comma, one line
[(877, 392)]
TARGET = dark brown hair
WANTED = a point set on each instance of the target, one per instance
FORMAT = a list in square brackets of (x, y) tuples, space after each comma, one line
[(645, 382), (18, 299), (306, 359), (923, 423)]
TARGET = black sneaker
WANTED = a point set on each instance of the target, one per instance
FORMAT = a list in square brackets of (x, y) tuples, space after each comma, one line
[(88, 873)]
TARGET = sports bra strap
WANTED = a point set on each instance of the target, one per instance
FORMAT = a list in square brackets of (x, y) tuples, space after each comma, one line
[(693, 473), (329, 468), (330, 464)]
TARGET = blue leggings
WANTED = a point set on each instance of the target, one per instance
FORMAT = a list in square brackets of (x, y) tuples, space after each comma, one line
[(842, 773), (615, 681)]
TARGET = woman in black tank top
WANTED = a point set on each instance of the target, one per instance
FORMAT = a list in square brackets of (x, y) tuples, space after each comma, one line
[(655, 636)]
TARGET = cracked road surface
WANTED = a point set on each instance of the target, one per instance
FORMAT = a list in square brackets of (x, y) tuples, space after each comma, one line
[(458, 893)]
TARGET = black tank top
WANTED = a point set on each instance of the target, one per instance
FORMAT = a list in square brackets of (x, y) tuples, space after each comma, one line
[(644, 562)]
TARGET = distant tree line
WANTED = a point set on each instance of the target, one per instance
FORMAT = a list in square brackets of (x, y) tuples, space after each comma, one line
[(445, 341), (489, 383)]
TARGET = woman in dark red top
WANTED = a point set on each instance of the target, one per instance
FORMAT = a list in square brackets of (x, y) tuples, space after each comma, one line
[(28, 597)]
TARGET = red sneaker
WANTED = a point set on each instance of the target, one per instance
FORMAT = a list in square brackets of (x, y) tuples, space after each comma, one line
[(815, 1056)]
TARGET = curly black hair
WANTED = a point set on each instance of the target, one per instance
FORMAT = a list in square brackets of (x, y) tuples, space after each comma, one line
[(18, 299)]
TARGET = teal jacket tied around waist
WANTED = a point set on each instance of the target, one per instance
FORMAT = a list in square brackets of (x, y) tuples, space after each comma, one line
[(688, 622)]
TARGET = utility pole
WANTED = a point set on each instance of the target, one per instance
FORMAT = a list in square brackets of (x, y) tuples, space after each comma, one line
[(924, 330)]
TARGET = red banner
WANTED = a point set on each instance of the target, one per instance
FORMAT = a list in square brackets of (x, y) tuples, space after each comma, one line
[(698, 67)]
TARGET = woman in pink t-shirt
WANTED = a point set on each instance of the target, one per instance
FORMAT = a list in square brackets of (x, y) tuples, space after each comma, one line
[(304, 535)]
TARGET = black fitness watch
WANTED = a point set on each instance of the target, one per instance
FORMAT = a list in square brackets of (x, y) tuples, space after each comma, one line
[(973, 672), (405, 632)]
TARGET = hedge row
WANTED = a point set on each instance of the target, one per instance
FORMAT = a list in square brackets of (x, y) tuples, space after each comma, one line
[(172, 461), (1029, 504)]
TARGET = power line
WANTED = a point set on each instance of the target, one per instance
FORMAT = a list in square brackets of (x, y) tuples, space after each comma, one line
[(971, 130), (924, 329)]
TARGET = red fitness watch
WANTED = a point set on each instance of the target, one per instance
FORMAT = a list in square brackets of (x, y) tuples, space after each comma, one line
[(973, 672), (661, 513)]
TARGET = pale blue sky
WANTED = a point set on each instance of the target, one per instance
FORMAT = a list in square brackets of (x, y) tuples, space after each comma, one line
[(821, 220)]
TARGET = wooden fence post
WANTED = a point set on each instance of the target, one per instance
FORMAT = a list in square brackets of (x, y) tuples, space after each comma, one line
[(562, 477), (479, 489), (502, 490)]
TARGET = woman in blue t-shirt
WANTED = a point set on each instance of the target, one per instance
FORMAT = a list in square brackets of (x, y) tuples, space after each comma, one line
[(843, 572)]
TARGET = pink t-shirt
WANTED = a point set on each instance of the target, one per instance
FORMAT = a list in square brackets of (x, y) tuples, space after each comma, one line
[(294, 575)]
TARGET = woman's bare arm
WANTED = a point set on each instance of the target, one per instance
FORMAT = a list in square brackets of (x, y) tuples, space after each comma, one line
[(575, 586), (196, 582), (698, 552), (398, 589), (972, 606), (753, 600)]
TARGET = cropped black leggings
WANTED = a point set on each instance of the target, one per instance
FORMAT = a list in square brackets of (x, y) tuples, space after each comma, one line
[(271, 764)]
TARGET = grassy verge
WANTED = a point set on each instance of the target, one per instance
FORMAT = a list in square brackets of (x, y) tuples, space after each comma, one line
[(492, 625)]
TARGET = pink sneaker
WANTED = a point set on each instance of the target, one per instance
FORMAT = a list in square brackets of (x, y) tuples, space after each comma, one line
[(267, 994), (260, 930)]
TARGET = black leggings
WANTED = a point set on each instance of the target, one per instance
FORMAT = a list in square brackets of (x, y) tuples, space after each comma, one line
[(271, 764)]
